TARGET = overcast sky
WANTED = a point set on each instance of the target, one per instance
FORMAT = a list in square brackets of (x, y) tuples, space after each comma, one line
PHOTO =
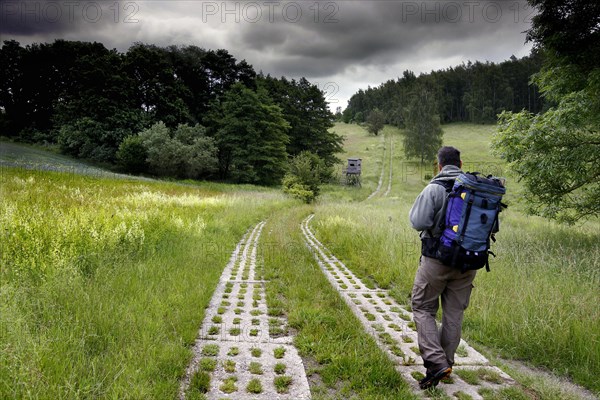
[(340, 45)]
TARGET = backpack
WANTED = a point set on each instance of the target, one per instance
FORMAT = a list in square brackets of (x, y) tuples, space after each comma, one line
[(471, 214)]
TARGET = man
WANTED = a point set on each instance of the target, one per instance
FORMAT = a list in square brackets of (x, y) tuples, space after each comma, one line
[(435, 280)]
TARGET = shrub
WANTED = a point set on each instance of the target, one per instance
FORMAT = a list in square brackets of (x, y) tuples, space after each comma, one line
[(306, 173), (132, 155), (185, 153)]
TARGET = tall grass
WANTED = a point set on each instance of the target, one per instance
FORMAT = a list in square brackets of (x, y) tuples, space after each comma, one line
[(342, 360), (540, 301), (104, 282)]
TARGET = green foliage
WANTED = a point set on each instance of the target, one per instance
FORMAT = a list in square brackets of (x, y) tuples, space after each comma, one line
[(185, 153), (80, 139), (132, 154), (570, 29), (208, 364), (423, 134), (556, 153), (375, 121), (255, 368), (306, 174), (304, 107), (279, 368), (210, 350), (472, 92), (251, 137)]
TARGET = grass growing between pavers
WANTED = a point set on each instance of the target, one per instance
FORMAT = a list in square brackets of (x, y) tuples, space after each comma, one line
[(538, 304), (104, 281), (342, 359)]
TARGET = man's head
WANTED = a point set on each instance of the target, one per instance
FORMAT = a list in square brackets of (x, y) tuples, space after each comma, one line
[(449, 155)]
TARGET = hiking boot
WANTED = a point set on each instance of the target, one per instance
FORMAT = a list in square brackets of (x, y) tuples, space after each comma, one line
[(432, 379)]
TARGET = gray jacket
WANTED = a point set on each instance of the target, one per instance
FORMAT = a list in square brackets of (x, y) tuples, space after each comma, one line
[(427, 212)]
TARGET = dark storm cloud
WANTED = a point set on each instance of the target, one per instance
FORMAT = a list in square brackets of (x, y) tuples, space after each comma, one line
[(351, 43), (346, 32), (50, 19)]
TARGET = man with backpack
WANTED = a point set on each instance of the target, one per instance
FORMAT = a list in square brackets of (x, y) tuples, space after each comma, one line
[(435, 279), (456, 214)]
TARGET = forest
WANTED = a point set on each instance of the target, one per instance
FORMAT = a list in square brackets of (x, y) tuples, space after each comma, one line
[(184, 112), (473, 92)]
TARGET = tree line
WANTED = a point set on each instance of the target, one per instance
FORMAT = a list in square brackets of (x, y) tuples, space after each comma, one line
[(472, 92), (171, 111)]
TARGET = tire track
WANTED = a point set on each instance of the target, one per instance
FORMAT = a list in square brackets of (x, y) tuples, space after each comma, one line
[(392, 326), (382, 172), (244, 350), (389, 188)]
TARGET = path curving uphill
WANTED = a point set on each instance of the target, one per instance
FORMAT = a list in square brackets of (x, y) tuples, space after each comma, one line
[(389, 187), (380, 183), (243, 350), (392, 326)]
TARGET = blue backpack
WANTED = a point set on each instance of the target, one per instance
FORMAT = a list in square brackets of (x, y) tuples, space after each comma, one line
[(472, 209)]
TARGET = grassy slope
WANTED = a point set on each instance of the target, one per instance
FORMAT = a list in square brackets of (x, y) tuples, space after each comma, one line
[(104, 281), (113, 315), (538, 304), (342, 360)]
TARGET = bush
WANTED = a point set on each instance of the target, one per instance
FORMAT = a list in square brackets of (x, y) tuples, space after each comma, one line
[(187, 153), (306, 173), (293, 187), (132, 155)]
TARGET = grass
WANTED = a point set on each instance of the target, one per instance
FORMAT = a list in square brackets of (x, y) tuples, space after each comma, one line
[(200, 382), (233, 351), (279, 368), (229, 366), (208, 364), (255, 352), (254, 386), (282, 383), (343, 357), (229, 385), (105, 281), (475, 376), (255, 368), (539, 303), (210, 350)]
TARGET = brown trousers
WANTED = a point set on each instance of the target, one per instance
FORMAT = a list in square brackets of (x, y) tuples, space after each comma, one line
[(435, 280)]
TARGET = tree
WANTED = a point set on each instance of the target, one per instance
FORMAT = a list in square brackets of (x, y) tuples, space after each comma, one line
[(570, 29), (375, 121), (557, 153), (423, 134), (251, 137), (306, 110), (306, 174)]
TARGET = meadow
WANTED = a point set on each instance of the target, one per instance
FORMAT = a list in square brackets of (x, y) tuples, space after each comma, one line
[(104, 280), (539, 303)]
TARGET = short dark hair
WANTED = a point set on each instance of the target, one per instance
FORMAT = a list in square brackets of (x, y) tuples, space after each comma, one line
[(449, 155)]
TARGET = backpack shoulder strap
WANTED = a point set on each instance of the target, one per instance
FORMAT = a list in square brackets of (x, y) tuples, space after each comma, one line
[(446, 184)]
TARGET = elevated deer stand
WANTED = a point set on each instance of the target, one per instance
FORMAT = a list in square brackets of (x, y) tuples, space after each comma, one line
[(352, 171)]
